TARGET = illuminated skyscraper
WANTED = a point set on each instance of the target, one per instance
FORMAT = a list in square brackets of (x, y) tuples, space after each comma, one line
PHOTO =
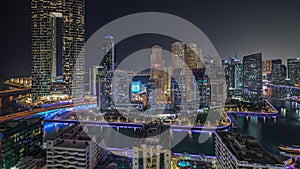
[(277, 77), (193, 61), (178, 83), (293, 66), (157, 63), (104, 90), (178, 53), (186, 60), (252, 66), (267, 69), (234, 78), (94, 72), (194, 56), (158, 74), (283, 72), (20, 138), (202, 92), (109, 52), (57, 30)]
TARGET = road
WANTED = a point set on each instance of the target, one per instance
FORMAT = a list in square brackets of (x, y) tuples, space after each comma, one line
[(37, 110)]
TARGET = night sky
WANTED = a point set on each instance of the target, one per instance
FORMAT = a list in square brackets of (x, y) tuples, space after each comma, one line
[(245, 27)]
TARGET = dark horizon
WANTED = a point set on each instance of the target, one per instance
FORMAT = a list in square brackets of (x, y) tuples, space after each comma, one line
[(245, 27)]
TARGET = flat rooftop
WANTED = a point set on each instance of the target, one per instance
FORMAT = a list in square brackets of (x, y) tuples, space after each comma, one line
[(246, 148), (154, 133), (75, 133), (69, 144)]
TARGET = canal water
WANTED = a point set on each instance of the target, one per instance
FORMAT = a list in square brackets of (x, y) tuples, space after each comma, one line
[(270, 132)]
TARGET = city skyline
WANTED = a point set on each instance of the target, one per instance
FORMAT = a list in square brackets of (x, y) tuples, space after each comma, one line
[(250, 32), (186, 86)]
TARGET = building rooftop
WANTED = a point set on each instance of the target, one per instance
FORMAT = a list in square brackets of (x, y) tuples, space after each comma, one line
[(246, 148), (74, 137), (70, 144), (75, 133), (154, 133)]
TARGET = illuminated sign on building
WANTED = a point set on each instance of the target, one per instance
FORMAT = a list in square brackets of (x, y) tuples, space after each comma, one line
[(136, 86)]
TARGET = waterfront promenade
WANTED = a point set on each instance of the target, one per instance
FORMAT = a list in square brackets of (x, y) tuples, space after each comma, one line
[(138, 124)]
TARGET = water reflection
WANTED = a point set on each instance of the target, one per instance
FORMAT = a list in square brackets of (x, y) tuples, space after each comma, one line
[(271, 132)]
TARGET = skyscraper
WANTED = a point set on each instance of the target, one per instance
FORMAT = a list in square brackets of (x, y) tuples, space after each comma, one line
[(293, 66), (283, 72), (103, 89), (193, 61), (203, 85), (234, 78), (20, 138), (57, 31), (252, 66), (267, 69), (109, 52), (94, 72), (158, 74), (178, 53), (276, 72), (179, 81)]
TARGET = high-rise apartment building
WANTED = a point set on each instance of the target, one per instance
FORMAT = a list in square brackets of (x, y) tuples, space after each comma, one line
[(234, 78), (267, 69), (109, 53), (293, 66), (203, 87), (178, 74), (252, 67), (188, 62), (104, 90), (178, 54), (122, 87), (238, 151), (215, 72), (74, 149), (94, 72), (20, 138), (159, 75), (57, 33), (152, 149), (277, 77), (283, 72), (192, 61)]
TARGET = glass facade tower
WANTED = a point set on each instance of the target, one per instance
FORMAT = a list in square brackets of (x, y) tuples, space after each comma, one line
[(293, 66), (109, 52), (57, 30), (252, 66)]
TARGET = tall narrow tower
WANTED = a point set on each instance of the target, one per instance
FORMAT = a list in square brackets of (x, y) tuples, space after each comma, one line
[(252, 67), (193, 60), (109, 52), (57, 30), (158, 74), (178, 54)]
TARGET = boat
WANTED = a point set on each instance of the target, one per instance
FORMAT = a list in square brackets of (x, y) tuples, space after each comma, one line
[(296, 146), (294, 149)]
